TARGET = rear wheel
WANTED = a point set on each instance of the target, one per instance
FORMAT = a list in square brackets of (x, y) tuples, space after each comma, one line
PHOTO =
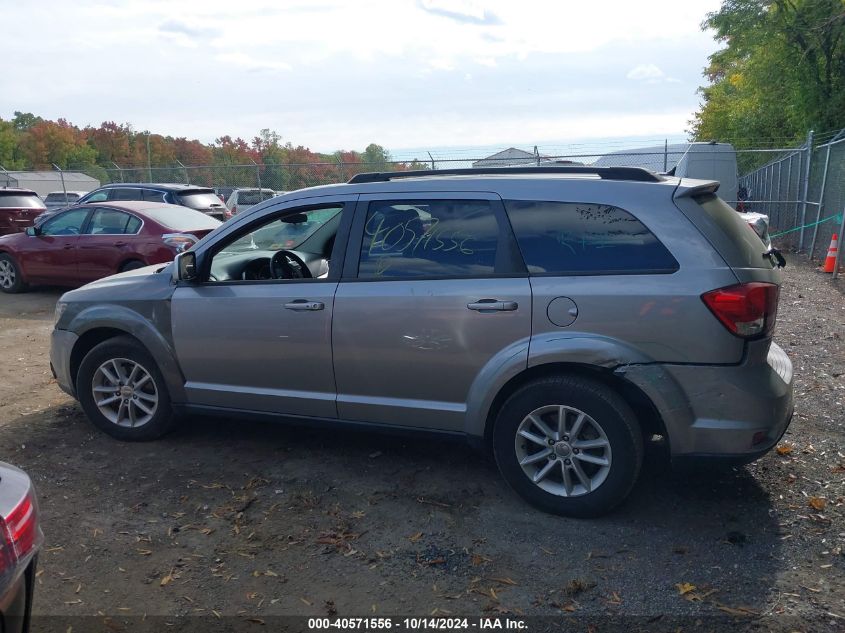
[(123, 392), (568, 445), (11, 280)]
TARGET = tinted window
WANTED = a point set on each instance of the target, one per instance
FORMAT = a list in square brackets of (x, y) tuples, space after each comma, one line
[(111, 222), (432, 238), (99, 196), (151, 195), (125, 194), (60, 197), (565, 237), (24, 201), (200, 199), (67, 223), (182, 219), (253, 197)]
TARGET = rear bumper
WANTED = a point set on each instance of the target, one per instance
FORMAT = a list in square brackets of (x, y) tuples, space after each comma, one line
[(61, 345), (734, 413)]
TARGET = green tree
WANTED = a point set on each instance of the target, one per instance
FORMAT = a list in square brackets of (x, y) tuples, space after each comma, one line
[(781, 72), (9, 156)]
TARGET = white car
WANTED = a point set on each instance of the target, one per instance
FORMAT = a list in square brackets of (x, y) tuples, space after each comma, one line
[(56, 200), (243, 199)]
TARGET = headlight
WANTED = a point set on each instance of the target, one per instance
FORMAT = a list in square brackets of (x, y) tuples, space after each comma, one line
[(61, 306)]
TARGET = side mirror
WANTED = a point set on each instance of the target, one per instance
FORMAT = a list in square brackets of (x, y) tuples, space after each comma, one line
[(32, 231), (185, 266)]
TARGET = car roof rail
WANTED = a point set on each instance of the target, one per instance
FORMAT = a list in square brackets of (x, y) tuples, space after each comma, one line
[(637, 174)]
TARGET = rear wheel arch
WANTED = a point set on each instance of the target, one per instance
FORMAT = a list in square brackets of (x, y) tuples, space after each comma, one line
[(647, 414)]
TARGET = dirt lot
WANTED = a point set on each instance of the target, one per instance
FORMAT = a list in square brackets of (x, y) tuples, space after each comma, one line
[(229, 518)]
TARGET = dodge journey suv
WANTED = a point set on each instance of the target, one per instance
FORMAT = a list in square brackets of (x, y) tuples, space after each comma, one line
[(557, 317)]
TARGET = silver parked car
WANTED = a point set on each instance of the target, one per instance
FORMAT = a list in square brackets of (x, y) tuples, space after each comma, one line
[(558, 317), (56, 200)]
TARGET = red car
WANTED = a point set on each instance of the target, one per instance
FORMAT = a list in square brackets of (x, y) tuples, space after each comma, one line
[(18, 209), (84, 243)]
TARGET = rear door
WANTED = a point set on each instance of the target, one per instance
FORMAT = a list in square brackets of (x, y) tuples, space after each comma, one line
[(433, 293), (106, 243)]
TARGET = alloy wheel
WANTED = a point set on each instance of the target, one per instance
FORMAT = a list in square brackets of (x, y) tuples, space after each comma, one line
[(563, 450), (125, 392), (7, 274)]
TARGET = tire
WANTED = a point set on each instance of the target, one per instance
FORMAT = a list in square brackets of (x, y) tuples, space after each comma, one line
[(132, 264), (11, 280), (608, 425), (149, 414)]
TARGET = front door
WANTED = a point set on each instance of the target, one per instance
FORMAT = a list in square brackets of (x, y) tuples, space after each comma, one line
[(53, 254), (255, 333), (434, 296), (106, 243)]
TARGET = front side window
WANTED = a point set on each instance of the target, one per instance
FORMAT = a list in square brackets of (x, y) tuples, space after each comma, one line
[(584, 238), (97, 196), (112, 222), (430, 238), (281, 247), (68, 223)]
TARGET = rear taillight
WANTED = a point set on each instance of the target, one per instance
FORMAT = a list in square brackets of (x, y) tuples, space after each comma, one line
[(748, 310), (19, 534), (179, 241)]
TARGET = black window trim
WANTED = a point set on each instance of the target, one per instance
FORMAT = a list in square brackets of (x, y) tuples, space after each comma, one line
[(507, 239), (90, 219), (338, 249), (594, 273)]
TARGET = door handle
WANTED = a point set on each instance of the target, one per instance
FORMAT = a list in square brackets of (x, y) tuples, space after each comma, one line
[(493, 305), (120, 244), (303, 305), (68, 246)]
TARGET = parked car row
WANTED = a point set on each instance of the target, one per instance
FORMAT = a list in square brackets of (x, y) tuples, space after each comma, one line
[(86, 242)]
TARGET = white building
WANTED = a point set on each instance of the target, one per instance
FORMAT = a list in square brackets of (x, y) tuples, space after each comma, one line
[(43, 182)]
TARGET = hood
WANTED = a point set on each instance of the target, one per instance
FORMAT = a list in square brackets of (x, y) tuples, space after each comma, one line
[(149, 282)]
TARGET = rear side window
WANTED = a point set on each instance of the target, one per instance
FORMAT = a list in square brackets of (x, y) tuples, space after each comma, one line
[(151, 195), (432, 238), (22, 201), (112, 222), (582, 238), (125, 194)]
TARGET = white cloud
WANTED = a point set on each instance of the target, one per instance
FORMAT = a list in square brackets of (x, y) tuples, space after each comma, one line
[(333, 73)]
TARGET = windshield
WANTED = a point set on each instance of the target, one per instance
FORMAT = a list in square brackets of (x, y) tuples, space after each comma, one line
[(200, 199), (25, 201), (182, 219), (288, 233)]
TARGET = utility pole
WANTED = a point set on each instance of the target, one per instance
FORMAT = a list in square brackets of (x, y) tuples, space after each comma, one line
[(149, 166)]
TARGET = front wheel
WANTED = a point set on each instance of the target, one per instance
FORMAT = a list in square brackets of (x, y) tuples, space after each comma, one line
[(568, 445), (11, 280), (123, 392)]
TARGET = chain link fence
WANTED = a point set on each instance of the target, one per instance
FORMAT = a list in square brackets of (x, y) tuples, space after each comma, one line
[(802, 190)]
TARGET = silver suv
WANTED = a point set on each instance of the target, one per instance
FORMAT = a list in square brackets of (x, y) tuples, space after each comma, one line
[(559, 317)]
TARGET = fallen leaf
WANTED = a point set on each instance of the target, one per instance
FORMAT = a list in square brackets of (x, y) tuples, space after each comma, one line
[(685, 588), (817, 503), (166, 580), (478, 559), (415, 537), (784, 449)]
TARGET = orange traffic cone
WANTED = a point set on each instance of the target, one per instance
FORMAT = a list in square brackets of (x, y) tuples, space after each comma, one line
[(830, 260)]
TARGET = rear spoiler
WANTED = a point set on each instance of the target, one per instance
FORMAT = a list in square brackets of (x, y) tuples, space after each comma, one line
[(697, 190)]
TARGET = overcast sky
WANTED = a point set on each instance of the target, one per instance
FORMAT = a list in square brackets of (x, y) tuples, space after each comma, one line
[(333, 74)]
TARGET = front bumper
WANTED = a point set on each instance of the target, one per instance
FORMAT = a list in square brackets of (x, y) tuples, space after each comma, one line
[(61, 345), (733, 412)]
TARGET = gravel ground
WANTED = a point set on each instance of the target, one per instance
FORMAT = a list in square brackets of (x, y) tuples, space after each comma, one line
[(226, 518)]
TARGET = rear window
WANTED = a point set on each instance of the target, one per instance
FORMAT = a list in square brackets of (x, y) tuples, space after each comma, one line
[(60, 197), (23, 200), (200, 199), (744, 248), (181, 219), (583, 238), (253, 197)]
